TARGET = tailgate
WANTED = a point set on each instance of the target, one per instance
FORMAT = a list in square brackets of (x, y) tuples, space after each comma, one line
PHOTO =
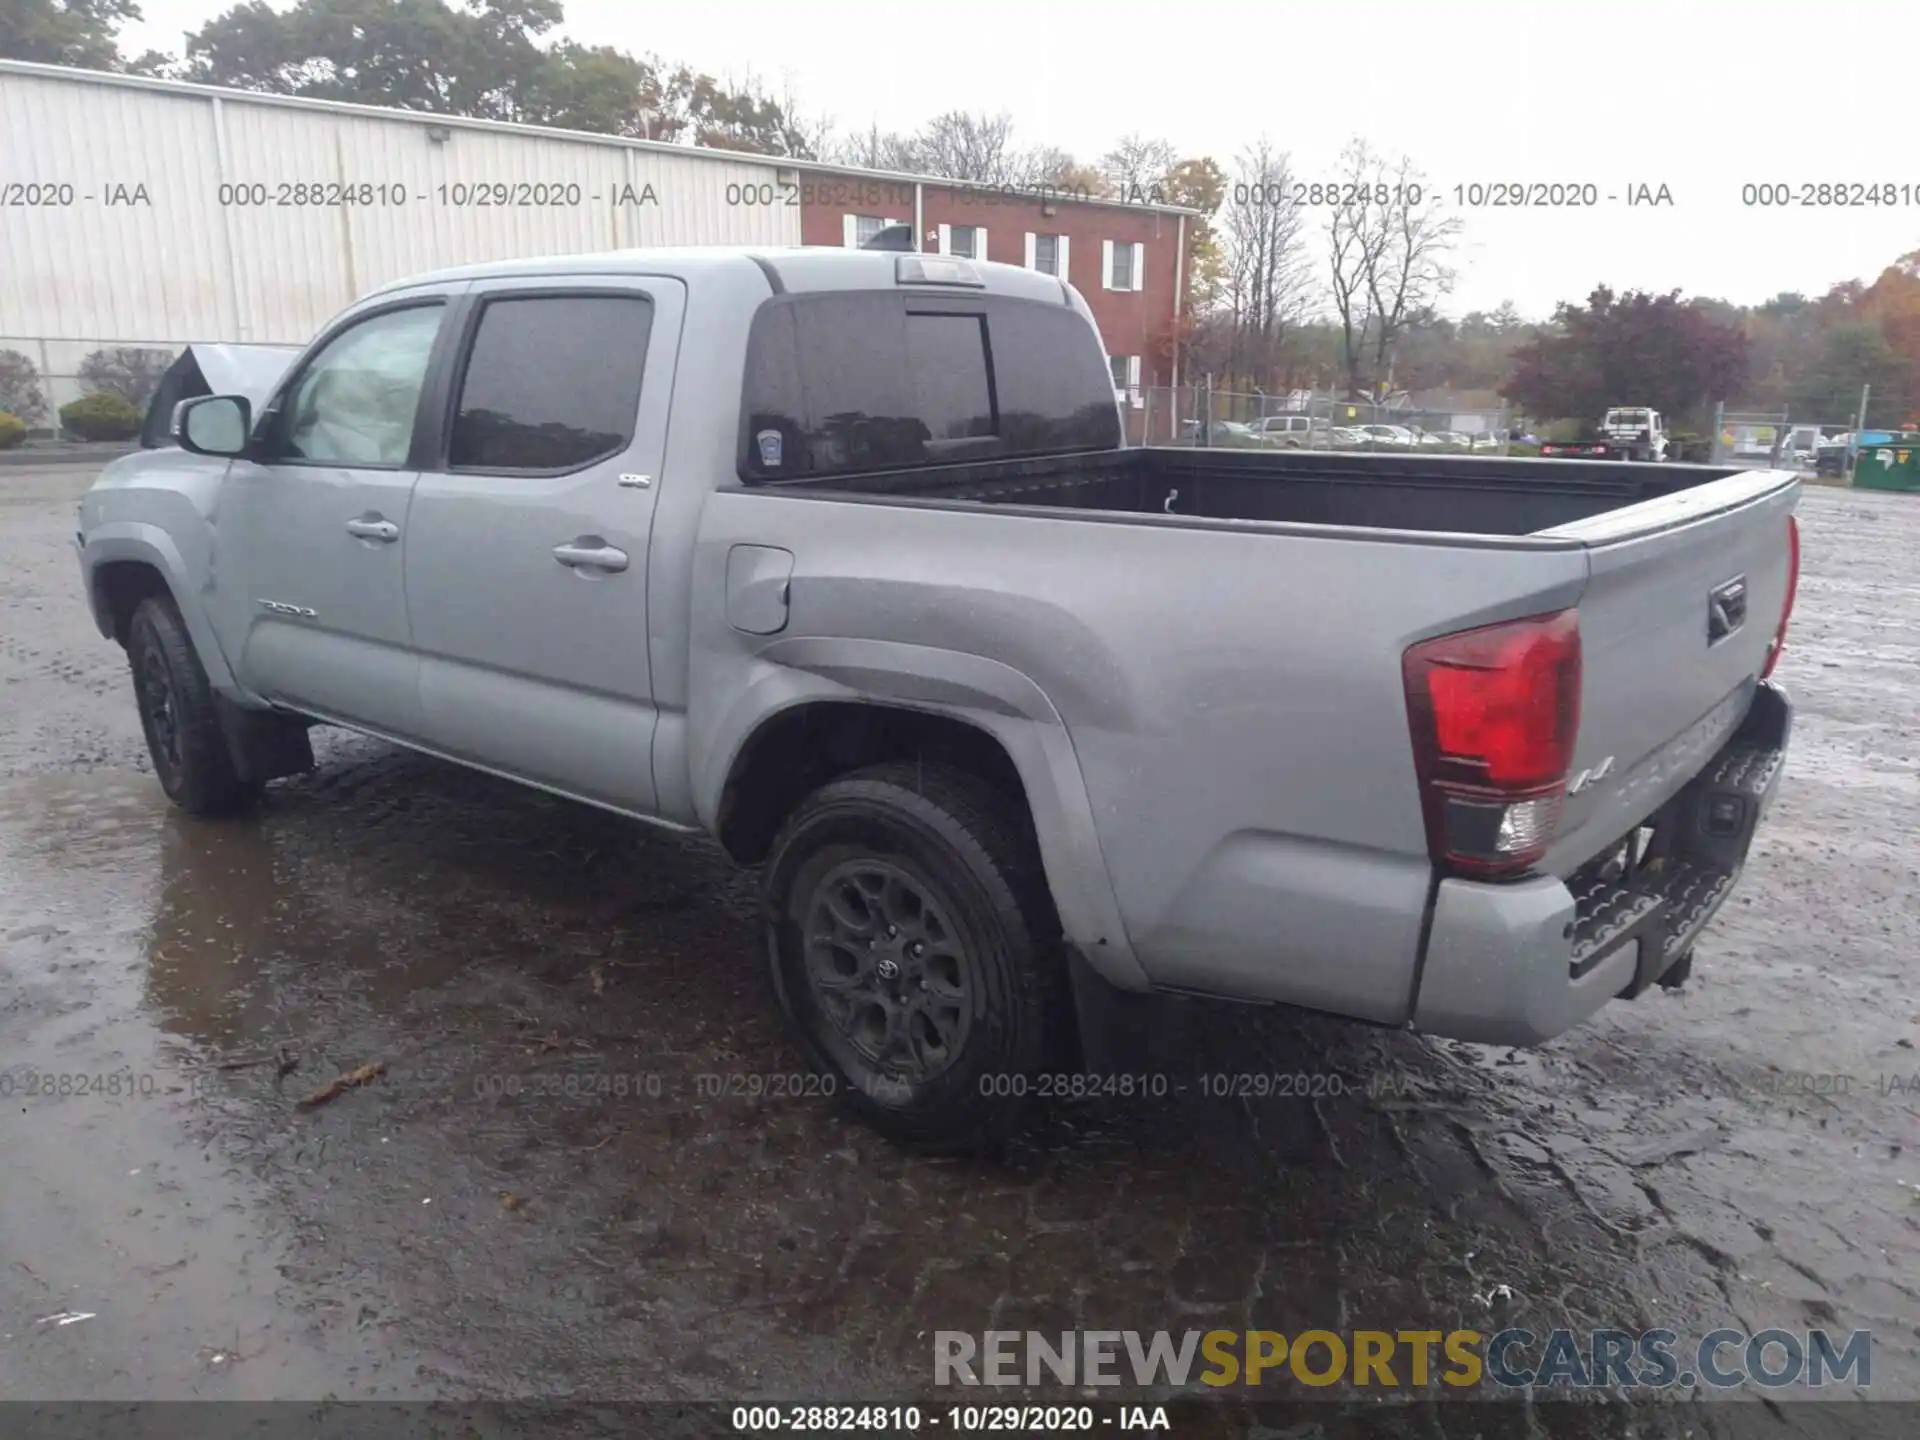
[(1683, 599)]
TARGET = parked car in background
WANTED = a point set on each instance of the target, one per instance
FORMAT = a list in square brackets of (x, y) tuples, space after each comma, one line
[(1226, 432), (1634, 433), (1240, 432), (1380, 436), (1801, 446), (1296, 431)]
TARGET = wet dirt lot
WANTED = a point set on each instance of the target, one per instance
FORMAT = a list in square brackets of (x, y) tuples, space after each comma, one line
[(544, 1195)]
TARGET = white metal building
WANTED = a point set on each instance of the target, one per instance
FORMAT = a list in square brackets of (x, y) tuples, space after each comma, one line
[(138, 212)]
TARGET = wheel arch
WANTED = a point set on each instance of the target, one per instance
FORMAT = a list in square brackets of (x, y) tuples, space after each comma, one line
[(790, 731), (130, 562)]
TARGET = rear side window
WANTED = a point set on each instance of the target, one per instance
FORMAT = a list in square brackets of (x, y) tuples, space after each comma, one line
[(846, 382), (552, 382)]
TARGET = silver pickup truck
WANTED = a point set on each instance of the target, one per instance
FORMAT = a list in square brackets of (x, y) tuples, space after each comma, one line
[(839, 557)]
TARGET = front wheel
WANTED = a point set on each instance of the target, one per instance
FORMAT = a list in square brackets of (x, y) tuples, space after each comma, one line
[(914, 950), (184, 738)]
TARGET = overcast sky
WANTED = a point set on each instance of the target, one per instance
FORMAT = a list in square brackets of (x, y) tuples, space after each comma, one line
[(1702, 98)]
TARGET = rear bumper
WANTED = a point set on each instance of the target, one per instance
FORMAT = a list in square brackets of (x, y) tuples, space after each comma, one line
[(1519, 963)]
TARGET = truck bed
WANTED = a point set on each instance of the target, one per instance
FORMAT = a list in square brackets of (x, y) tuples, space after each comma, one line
[(1446, 494), (1651, 554)]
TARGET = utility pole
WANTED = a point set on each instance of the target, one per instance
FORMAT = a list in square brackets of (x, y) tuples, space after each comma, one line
[(1859, 424)]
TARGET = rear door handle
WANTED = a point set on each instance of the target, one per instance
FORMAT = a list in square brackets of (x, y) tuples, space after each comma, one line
[(384, 531), (590, 553)]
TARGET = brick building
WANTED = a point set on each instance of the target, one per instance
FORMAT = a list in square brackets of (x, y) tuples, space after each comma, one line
[(1130, 261)]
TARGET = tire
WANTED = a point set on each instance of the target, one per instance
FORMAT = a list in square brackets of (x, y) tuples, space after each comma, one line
[(937, 1054), (184, 738)]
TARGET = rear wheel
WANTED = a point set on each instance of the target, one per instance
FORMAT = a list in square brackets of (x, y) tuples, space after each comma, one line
[(184, 738), (914, 950)]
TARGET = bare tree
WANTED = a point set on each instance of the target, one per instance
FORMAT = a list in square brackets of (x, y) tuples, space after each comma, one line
[(132, 372), (1136, 164), (876, 149), (964, 146), (978, 149), (1354, 245), (1267, 268), (20, 394), (1389, 239)]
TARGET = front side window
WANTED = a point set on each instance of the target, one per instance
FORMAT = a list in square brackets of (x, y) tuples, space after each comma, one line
[(355, 403), (552, 383), (839, 383)]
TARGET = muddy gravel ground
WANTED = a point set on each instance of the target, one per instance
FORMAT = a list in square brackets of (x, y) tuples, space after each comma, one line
[(543, 1195)]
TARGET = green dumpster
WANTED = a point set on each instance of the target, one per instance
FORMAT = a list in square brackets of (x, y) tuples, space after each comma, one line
[(1892, 466)]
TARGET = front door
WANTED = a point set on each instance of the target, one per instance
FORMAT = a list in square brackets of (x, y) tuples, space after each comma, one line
[(527, 549), (310, 535)]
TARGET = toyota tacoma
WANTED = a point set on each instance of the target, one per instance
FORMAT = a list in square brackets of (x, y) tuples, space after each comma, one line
[(839, 557)]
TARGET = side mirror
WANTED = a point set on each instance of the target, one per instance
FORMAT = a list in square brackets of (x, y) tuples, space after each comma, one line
[(213, 425)]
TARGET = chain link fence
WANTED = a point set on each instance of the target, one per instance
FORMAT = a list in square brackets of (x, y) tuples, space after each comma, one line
[(39, 378), (1306, 420), (1777, 441)]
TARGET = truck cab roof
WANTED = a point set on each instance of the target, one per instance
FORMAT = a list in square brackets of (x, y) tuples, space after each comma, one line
[(793, 268)]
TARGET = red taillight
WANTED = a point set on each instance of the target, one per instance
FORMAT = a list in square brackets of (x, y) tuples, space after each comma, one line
[(1494, 713), (1793, 587)]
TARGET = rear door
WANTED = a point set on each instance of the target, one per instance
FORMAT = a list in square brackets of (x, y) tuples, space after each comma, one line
[(1684, 598), (527, 553)]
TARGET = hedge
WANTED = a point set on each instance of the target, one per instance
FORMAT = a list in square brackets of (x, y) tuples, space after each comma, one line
[(101, 416)]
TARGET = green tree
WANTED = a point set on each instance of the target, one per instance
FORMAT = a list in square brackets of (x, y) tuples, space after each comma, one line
[(489, 59), (1200, 184), (64, 32), (1633, 349), (1850, 356)]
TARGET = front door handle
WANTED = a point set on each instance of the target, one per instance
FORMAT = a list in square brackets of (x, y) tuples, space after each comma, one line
[(368, 529), (591, 553)]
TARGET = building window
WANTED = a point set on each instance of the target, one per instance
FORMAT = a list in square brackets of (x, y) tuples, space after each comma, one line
[(1046, 254), (1118, 364), (865, 227), (1126, 379), (968, 242), (1122, 266)]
